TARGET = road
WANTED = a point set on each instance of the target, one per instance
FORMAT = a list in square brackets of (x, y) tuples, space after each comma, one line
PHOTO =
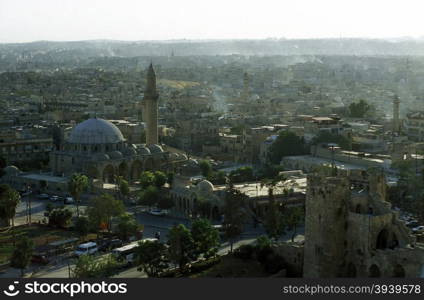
[(152, 224)]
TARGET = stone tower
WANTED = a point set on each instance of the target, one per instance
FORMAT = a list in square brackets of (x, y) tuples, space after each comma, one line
[(326, 212), (150, 107), (396, 121)]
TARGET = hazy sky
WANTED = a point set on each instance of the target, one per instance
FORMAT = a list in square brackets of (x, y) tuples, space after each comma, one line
[(30, 20)]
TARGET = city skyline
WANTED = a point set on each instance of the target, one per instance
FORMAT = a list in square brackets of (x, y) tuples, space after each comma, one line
[(27, 21)]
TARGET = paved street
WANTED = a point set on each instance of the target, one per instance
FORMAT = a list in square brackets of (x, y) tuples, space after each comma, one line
[(152, 224)]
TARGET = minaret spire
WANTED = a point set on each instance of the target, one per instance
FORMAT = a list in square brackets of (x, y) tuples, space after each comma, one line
[(150, 107)]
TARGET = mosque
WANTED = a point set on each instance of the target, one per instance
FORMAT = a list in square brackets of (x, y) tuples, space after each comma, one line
[(98, 149)]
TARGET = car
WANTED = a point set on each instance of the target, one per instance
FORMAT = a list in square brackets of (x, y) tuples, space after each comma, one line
[(43, 196), (110, 244), (418, 229), (158, 212), (86, 249), (39, 259), (69, 200), (54, 198)]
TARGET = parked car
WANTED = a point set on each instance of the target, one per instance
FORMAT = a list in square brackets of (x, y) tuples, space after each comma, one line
[(110, 244), (39, 259), (43, 196), (54, 198), (418, 229), (158, 212), (69, 200), (86, 249)]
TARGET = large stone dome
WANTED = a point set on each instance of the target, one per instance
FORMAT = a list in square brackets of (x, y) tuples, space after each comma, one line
[(96, 131), (205, 186)]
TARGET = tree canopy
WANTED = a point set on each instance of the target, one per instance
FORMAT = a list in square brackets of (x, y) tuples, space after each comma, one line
[(205, 237), (181, 245), (9, 200), (287, 143), (151, 257), (359, 109)]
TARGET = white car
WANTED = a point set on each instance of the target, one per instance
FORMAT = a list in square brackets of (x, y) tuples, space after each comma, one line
[(86, 249), (418, 229), (158, 212), (69, 200)]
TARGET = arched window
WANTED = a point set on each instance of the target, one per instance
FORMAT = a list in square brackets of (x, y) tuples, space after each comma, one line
[(382, 239), (374, 271), (398, 271)]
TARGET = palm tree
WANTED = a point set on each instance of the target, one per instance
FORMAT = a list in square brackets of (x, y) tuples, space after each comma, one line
[(76, 185)]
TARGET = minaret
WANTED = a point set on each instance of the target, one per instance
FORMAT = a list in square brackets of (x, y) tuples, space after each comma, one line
[(150, 107), (246, 95), (396, 122)]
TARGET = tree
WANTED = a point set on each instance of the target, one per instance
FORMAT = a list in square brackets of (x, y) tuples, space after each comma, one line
[(170, 178), (205, 237), (359, 109), (160, 179), (181, 245), (242, 174), (3, 165), (234, 214), (327, 137), (76, 185), (103, 208), (82, 225), (123, 186), (217, 177), (274, 223), (9, 200), (147, 179), (60, 217), (205, 167), (165, 202), (287, 143), (22, 254), (293, 218), (91, 267), (151, 257), (149, 196), (127, 226)]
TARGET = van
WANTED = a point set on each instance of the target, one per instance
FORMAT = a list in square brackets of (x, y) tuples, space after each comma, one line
[(86, 249)]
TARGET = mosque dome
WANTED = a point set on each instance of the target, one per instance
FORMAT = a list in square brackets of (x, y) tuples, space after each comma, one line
[(155, 148), (143, 151), (130, 151), (101, 156), (205, 186), (11, 170), (115, 154), (96, 131)]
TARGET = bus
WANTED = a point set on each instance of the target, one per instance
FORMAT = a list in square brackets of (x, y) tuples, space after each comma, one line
[(126, 253)]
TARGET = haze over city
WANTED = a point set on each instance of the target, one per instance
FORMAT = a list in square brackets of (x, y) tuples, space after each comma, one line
[(70, 20)]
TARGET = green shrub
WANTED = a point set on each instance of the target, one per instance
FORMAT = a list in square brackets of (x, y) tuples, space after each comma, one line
[(245, 252)]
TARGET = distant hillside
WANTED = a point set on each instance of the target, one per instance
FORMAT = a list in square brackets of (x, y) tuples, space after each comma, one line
[(222, 47), (50, 55)]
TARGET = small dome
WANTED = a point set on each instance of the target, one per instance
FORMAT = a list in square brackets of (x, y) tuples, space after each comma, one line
[(96, 131), (115, 154), (174, 156), (193, 162), (155, 148), (183, 156), (143, 151), (205, 186), (130, 151), (101, 156), (11, 170)]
